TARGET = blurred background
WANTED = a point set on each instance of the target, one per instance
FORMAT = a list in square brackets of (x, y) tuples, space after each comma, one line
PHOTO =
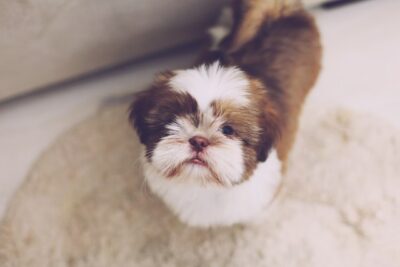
[(61, 60)]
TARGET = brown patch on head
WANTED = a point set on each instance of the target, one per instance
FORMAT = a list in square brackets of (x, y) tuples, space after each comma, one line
[(257, 125), (155, 108)]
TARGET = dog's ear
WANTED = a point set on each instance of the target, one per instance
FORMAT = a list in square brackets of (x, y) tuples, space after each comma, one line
[(145, 103), (271, 125), (139, 110)]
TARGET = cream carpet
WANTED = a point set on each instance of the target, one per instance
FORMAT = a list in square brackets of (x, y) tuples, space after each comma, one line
[(85, 204)]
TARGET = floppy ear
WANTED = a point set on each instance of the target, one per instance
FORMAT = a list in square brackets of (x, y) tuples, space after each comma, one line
[(271, 125), (144, 104), (139, 110)]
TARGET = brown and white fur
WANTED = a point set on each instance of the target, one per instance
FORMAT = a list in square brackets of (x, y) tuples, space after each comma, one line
[(217, 136)]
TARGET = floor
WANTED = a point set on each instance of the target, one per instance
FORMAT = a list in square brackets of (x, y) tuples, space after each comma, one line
[(361, 71)]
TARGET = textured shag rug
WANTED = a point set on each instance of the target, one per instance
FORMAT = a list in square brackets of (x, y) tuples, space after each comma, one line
[(85, 204)]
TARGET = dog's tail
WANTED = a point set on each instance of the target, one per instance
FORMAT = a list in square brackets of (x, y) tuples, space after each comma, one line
[(249, 15)]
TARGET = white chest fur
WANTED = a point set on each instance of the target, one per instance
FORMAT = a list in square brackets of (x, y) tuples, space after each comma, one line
[(202, 206)]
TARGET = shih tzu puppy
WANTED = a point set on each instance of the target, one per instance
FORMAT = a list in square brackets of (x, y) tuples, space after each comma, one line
[(216, 137)]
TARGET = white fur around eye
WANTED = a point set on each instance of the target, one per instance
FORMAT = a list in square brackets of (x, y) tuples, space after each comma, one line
[(182, 126)]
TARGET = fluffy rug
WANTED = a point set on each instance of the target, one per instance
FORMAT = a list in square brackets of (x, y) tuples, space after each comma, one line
[(85, 204)]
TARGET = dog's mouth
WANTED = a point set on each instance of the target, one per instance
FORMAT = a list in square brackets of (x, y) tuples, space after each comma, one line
[(197, 161), (191, 162)]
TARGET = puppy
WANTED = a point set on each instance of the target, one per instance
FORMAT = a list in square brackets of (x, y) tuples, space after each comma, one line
[(216, 137)]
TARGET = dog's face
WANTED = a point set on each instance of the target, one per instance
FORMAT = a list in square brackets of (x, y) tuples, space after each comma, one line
[(208, 125)]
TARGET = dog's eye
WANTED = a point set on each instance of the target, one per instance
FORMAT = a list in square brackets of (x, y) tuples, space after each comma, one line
[(227, 130)]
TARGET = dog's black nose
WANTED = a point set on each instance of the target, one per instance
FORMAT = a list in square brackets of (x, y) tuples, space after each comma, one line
[(198, 143)]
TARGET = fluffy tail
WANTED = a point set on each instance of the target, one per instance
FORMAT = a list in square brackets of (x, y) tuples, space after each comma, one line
[(249, 15)]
